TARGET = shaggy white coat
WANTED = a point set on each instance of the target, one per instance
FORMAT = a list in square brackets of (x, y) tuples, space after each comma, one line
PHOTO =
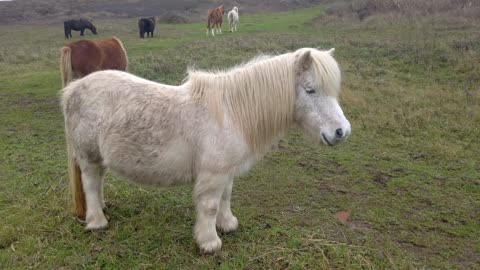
[(208, 130)]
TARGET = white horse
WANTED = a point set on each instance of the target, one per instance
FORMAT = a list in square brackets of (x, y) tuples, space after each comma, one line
[(208, 130), (233, 19)]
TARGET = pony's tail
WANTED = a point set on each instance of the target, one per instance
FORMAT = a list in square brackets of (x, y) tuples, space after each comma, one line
[(208, 22), (140, 28), (75, 175), (124, 51), (66, 65)]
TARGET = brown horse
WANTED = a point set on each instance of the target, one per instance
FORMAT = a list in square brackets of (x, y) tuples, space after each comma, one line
[(83, 57), (215, 19)]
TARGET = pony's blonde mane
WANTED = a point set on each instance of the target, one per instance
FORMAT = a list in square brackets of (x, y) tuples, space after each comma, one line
[(259, 95)]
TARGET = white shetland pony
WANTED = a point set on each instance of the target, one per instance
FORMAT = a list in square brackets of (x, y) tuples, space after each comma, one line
[(208, 130), (233, 19)]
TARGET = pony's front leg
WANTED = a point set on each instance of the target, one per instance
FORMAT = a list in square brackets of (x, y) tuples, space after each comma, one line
[(92, 183), (207, 194), (225, 219)]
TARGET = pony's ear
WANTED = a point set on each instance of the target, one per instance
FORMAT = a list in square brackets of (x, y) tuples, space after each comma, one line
[(331, 51), (304, 62)]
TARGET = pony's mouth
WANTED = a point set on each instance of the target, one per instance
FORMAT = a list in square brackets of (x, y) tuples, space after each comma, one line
[(325, 140)]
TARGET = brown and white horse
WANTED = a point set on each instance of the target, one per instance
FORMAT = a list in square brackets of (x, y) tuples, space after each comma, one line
[(215, 19), (83, 57)]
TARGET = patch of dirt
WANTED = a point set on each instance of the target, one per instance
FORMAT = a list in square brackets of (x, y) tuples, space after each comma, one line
[(360, 226), (50, 11)]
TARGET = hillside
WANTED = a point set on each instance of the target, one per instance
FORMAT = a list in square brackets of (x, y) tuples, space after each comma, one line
[(31, 11)]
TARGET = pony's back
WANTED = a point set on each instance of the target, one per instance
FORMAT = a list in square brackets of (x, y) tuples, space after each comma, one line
[(83, 57)]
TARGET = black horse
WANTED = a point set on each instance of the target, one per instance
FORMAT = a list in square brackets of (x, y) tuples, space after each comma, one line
[(78, 25), (146, 25)]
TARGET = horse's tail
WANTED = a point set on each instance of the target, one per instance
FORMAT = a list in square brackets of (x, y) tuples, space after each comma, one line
[(66, 65), (141, 28), (75, 175), (124, 52), (230, 20), (208, 22)]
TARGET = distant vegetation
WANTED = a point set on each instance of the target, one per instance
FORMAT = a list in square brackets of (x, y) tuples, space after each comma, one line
[(362, 9), (29, 11)]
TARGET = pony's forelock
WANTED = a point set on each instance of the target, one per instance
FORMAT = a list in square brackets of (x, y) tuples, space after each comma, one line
[(327, 70)]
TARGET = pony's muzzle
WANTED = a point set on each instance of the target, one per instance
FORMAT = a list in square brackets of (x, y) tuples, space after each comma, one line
[(340, 136)]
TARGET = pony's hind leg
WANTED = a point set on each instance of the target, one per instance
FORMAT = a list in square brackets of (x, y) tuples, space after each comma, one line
[(225, 219), (92, 182), (208, 191)]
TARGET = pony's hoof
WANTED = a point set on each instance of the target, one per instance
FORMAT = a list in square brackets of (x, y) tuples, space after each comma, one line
[(228, 225), (211, 246), (97, 224)]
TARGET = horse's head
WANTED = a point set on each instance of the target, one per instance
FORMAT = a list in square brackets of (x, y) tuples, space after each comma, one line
[(222, 9), (236, 9), (94, 29), (317, 109)]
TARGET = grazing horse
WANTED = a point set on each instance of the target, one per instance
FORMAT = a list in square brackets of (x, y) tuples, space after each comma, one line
[(233, 19), (78, 25), (146, 25), (212, 128), (215, 19), (83, 57)]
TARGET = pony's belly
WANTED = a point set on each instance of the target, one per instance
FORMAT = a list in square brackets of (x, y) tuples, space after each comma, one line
[(172, 166)]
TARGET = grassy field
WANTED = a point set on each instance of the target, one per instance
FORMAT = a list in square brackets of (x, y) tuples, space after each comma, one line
[(409, 175)]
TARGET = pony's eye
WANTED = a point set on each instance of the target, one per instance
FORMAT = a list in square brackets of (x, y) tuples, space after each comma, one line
[(310, 91)]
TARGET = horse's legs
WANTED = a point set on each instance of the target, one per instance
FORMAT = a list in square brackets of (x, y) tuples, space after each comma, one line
[(225, 219), (102, 184), (92, 182), (207, 195)]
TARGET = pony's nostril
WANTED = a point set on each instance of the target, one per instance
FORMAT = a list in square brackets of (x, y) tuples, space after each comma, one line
[(339, 133)]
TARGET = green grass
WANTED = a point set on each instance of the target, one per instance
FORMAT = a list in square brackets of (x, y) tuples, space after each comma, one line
[(409, 173)]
